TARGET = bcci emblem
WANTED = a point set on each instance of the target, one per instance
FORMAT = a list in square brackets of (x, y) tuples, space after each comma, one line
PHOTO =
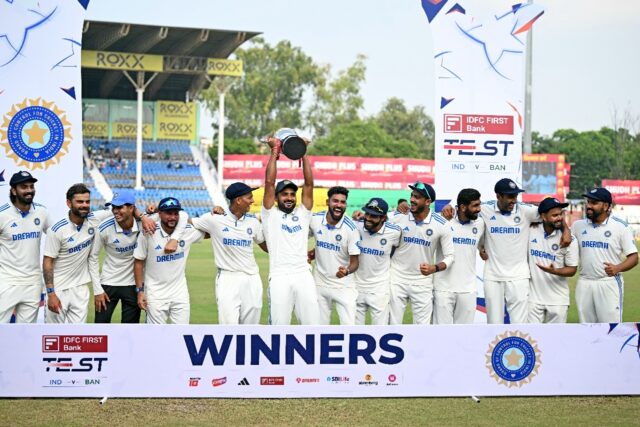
[(36, 221), (475, 230), (516, 219), (182, 243), (555, 247), (91, 231), (249, 231), (294, 218), (338, 237), (35, 134), (607, 233), (429, 232), (513, 359), (383, 242)]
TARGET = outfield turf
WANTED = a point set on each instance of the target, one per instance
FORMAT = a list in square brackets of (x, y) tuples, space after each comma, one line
[(593, 411)]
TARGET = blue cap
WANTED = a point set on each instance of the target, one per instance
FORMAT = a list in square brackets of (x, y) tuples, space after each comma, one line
[(285, 184), (426, 190), (20, 177), (600, 194), (169, 204), (549, 203), (237, 189), (507, 186), (376, 206), (122, 197)]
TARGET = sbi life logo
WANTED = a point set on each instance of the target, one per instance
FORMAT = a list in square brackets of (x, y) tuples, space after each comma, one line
[(513, 359)]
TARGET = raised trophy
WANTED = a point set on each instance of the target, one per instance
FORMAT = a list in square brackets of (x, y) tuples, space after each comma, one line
[(293, 146)]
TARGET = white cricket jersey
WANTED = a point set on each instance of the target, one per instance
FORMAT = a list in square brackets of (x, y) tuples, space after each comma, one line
[(164, 274), (461, 275), (419, 243), (232, 240), (375, 255), (507, 240), (70, 245), (546, 288), (117, 268), (609, 242), (20, 236), (334, 246), (287, 237)]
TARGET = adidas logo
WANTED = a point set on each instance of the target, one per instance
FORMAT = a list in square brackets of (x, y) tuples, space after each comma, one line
[(225, 229), (493, 218), (71, 239), (14, 225), (319, 231), (406, 229), (244, 381), (116, 241), (534, 241), (584, 232), (158, 248)]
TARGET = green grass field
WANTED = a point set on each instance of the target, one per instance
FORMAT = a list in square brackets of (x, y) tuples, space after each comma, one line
[(593, 411)]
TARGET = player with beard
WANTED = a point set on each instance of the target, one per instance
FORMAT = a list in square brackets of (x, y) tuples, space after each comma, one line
[(413, 263), (604, 240), (65, 265), (550, 265), (22, 223), (336, 254), (455, 288), (286, 230), (160, 278), (378, 240)]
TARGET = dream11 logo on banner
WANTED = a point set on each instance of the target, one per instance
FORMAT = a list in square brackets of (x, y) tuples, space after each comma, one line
[(479, 93)]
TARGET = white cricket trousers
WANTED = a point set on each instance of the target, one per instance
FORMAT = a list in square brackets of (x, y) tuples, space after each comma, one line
[(419, 292), (376, 301), (542, 313), (75, 306), (293, 292), (239, 298), (162, 311), (454, 307), (600, 301), (345, 299), (514, 292), (25, 300)]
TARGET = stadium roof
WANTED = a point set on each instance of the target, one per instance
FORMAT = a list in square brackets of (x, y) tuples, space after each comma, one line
[(158, 40)]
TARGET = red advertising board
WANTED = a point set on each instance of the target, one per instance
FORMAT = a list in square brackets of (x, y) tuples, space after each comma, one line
[(624, 192)]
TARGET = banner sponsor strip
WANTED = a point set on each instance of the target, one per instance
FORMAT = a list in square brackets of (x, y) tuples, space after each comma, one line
[(280, 362), (624, 192), (122, 61)]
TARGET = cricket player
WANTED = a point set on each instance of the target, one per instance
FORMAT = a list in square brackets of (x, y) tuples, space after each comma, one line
[(118, 235), (161, 283), (286, 230), (65, 264), (378, 240), (22, 223), (238, 283), (413, 263), (336, 254), (455, 288), (550, 265), (607, 248)]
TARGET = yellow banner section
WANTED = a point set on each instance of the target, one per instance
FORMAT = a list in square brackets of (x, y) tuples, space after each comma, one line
[(319, 199), (130, 130), (176, 120), (122, 61), (95, 129), (224, 67)]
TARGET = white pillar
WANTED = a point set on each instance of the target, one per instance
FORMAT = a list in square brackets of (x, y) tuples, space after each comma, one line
[(140, 91), (221, 141)]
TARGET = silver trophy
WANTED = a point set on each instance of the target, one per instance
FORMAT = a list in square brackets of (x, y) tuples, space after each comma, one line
[(293, 146)]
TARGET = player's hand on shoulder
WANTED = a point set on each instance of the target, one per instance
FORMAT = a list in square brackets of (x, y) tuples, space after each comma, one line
[(357, 215), (148, 225), (151, 208), (217, 210), (448, 212)]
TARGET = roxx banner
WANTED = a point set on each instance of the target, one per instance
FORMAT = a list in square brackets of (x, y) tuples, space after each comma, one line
[(176, 120), (479, 69), (40, 99), (293, 361)]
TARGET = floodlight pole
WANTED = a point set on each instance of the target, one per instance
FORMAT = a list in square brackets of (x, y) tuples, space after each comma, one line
[(140, 85), (222, 85)]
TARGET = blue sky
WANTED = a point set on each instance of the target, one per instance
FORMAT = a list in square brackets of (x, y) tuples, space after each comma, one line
[(586, 61)]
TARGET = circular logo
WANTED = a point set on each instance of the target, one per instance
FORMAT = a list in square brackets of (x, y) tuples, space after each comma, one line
[(516, 219), (512, 184), (429, 232), (383, 241), (36, 221), (338, 237), (513, 359), (249, 231), (368, 377), (35, 134), (91, 231), (182, 243), (555, 247), (475, 230), (392, 378), (607, 233), (294, 218)]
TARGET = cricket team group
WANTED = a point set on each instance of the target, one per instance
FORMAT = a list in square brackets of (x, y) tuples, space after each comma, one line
[(373, 264)]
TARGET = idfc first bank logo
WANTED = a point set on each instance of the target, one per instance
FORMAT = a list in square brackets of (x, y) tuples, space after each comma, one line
[(480, 124)]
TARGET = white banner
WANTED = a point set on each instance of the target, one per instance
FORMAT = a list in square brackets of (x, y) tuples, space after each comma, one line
[(479, 69), (294, 361), (40, 94)]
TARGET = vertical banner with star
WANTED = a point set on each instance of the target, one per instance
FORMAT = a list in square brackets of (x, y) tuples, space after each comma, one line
[(480, 74), (40, 99)]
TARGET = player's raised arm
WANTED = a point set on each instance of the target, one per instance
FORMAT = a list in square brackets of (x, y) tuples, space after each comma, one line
[(307, 186), (270, 174)]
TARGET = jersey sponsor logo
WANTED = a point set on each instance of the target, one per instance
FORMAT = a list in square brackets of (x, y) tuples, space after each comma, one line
[(328, 246), (595, 244), (291, 230), (284, 349), (170, 257), (607, 233), (464, 241), (126, 248), (416, 241), (513, 359), (429, 232), (542, 254), (80, 247), (26, 235), (237, 242), (504, 230)]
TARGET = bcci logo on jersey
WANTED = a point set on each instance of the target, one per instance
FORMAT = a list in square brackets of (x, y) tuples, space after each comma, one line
[(35, 134), (513, 359)]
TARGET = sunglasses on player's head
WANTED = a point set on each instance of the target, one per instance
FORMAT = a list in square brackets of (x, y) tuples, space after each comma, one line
[(375, 207), (169, 203)]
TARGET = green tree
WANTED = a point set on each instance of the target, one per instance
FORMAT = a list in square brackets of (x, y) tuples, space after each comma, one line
[(235, 146), (412, 125)]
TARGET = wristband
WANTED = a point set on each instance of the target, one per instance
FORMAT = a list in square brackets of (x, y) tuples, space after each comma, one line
[(437, 268), (51, 290), (140, 289)]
